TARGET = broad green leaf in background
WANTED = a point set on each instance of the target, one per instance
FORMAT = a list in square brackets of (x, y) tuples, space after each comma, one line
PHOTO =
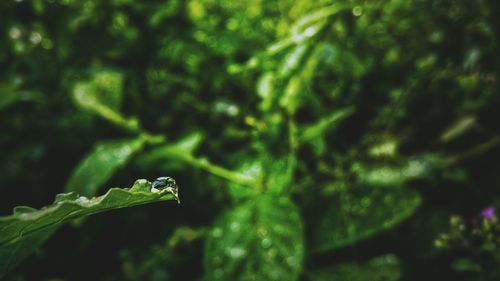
[(102, 95), (100, 164), (459, 128), (176, 155), (329, 122), (252, 169), (161, 156), (10, 94), (383, 268), (261, 239), (278, 175), (360, 213), (395, 176), (314, 133), (26, 229), (103, 89)]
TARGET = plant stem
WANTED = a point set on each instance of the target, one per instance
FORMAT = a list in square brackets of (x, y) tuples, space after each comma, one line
[(215, 169)]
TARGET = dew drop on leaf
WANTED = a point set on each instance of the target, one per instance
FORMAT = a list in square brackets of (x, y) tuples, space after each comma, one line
[(166, 183), (236, 252), (217, 232), (235, 226), (266, 243)]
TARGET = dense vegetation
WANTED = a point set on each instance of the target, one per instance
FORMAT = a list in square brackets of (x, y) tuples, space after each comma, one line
[(310, 140)]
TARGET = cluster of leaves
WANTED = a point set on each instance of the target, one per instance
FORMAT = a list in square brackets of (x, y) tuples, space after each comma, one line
[(477, 236), (300, 132)]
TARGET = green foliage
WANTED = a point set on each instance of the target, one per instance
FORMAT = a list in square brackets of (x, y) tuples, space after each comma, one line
[(361, 213), (355, 128), (102, 95), (261, 239), (27, 228), (383, 268), (99, 165)]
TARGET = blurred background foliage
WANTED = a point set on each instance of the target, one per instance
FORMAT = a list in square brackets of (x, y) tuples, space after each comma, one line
[(311, 140)]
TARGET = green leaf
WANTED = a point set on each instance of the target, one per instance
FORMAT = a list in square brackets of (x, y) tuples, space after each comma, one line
[(361, 213), (26, 229), (252, 169), (161, 156), (383, 268), (10, 94), (265, 90), (459, 128), (387, 176), (312, 132), (465, 264), (261, 239), (100, 164), (279, 174), (102, 95)]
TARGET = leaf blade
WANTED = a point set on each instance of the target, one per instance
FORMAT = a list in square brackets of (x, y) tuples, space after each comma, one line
[(26, 229), (259, 240), (100, 164), (360, 214)]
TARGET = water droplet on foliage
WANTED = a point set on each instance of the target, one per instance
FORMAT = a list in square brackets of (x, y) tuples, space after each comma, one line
[(235, 226), (266, 243), (141, 181), (236, 252), (357, 11), (83, 200), (310, 31), (217, 232), (166, 183), (262, 231)]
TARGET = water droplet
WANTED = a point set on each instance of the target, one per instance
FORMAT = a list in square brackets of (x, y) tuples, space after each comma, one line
[(262, 231), (83, 200), (357, 11), (310, 31), (235, 226), (292, 261), (266, 243), (15, 32), (236, 252), (166, 183), (36, 37), (217, 232), (141, 181)]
